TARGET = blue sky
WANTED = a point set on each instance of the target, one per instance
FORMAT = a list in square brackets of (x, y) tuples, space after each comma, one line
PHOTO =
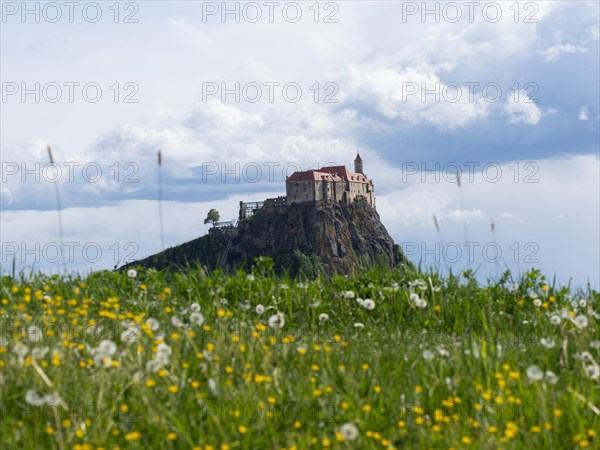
[(542, 132)]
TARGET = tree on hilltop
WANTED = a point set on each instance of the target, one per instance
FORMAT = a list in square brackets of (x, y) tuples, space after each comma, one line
[(213, 216)]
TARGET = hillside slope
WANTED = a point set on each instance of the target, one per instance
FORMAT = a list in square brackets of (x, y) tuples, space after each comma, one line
[(345, 237)]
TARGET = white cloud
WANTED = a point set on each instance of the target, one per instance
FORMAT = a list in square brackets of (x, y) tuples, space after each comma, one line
[(583, 113), (469, 216), (553, 53), (522, 110), (411, 97), (510, 217)]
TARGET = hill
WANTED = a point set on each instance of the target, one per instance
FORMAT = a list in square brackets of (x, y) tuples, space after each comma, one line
[(309, 237)]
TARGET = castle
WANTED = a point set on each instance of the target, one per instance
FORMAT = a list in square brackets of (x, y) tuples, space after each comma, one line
[(335, 183)]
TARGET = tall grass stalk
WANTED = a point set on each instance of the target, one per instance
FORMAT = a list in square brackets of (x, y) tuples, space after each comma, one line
[(160, 216), (59, 211)]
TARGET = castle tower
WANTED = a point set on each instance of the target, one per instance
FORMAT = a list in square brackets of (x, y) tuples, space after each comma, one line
[(358, 164)]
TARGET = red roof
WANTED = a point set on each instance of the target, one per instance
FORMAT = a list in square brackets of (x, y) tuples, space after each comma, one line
[(331, 173), (314, 175)]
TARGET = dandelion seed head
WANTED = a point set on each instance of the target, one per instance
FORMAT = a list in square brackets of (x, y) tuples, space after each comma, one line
[(153, 324), (548, 343), (592, 371), (368, 304), (107, 347), (581, 321), (534, 373), (277, 320), (34, 398), (176, 322), (196, 318), (349, 431), (551, 377)]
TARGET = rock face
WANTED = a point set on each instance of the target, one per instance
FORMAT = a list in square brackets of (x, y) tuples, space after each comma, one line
[(345, 237)]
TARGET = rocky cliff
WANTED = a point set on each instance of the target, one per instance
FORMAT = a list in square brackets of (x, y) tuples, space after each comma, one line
[(345, 237)]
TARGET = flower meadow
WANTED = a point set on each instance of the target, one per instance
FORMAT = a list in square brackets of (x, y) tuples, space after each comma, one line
[(383, 359)]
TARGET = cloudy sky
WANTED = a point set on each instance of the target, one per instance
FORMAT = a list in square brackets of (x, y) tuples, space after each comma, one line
[(238, 95)]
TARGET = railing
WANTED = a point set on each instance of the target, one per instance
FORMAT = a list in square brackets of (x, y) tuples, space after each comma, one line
[(225, 224)]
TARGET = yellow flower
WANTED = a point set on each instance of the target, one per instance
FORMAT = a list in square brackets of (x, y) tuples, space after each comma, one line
[(557, 412), (133, 436), (535, 429), (418, 389), (242, 429), (173, 389), (150, 383), (466, 440), (314, 367), (492, 429), (510, 433), (344, 405)]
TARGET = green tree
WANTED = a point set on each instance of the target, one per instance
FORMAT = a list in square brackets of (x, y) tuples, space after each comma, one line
[(212, 216)]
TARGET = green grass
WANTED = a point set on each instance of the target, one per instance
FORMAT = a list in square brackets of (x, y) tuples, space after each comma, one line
[(453, 373)]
